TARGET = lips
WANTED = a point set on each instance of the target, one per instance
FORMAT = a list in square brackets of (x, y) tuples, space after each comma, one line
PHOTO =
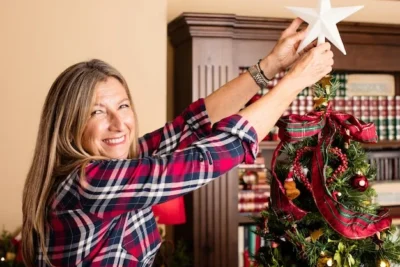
[(115, 141)]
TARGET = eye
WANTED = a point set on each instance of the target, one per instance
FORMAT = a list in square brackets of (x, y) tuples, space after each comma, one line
[(96, 112), (124, 106)]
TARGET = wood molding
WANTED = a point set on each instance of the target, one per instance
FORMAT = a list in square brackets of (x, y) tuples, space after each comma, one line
[(262, 28)]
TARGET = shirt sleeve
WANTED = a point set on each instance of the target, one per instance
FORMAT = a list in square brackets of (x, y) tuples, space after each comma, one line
[(112, 187), (191, 125)]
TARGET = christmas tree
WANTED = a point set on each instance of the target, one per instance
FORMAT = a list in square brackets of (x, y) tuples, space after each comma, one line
[(321, 210)]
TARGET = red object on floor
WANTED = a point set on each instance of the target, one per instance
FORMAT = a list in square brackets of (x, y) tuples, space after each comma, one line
[(170, 212)]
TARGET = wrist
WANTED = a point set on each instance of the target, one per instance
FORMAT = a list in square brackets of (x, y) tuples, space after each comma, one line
[(292, 83), (270, 67)]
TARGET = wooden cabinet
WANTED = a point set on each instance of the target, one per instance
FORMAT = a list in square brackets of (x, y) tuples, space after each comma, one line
[(209, 50)]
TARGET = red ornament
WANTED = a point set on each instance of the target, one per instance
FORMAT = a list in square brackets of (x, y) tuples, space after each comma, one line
[(336, 195), (359, 182)]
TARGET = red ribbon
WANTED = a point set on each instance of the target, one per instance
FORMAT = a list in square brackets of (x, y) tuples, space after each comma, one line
[(294, 128)]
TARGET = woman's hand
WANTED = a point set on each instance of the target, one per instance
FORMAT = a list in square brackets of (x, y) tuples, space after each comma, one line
[(284, 53), (312, 66)]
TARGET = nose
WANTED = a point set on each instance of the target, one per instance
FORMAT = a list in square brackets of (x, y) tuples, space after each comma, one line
[(116, 122)]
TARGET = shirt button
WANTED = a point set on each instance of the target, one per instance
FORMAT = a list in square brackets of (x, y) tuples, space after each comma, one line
[(201, 159)]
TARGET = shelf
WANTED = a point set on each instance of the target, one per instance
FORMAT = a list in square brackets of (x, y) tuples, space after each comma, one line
[(394, 212), (252, 166), (268, 145), (271, 145), (245, 218), (383, 145)]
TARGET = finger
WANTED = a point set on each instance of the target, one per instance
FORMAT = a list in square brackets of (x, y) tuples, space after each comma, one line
[(292, 27), (295, 24), (311, 45), (323, 47)]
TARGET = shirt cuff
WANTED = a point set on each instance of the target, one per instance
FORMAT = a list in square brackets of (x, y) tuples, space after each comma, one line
[(240, 127), (196, 117)]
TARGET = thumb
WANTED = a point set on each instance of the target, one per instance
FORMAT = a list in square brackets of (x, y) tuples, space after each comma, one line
[(300, 35)]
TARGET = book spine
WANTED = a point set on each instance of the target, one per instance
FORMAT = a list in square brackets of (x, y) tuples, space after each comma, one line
[(294, 107), (340, 104), (364, 108), (302, 104), (349, 105), (309, 104), (357, 107), (241, 245), (374, 113), (383, 122), (342, 79), (391, 118), (397, 111)]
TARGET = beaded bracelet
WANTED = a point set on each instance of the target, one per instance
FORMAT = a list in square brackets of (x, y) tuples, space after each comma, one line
[(261, 71), (258, 76)]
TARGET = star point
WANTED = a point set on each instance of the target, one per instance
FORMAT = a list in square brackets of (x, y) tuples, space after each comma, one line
[(322, 23)]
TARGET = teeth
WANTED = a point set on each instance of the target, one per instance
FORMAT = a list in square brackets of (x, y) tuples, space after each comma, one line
[(115, 140)]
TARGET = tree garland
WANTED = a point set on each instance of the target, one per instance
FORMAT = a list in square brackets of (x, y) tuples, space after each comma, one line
[(298, 168)]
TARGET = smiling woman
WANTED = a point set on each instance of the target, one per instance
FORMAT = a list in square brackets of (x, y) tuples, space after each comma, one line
[(109, 132), (90, 190)]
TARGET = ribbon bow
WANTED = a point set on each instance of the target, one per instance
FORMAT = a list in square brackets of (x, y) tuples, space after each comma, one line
[(294, 128)]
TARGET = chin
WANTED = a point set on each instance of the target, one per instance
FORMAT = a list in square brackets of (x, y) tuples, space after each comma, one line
[(119, 156)]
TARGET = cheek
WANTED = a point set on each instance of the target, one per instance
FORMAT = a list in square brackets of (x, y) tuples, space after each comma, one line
[(90, 135), (130, 121)]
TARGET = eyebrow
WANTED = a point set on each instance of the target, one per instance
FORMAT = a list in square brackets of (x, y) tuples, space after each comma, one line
[(101, 105)]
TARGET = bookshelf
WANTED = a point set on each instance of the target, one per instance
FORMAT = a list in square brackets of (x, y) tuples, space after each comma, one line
[(211, 49)]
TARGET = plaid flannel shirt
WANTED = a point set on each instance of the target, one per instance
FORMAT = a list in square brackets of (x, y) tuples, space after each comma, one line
[(106, 218)]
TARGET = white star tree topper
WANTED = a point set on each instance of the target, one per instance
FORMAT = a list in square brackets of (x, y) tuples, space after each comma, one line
[(322, 23)]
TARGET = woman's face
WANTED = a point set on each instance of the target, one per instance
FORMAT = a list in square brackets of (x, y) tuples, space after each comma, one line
[(109, 131)]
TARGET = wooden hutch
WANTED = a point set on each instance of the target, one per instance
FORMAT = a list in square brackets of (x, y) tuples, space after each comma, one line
[(209, 49)]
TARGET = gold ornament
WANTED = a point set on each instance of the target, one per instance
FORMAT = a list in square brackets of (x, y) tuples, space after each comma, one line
[(291, 191), (10, 256), (326, 81), (316, 235), (366, 203), (383, 263), (320, 102), (325, 261)]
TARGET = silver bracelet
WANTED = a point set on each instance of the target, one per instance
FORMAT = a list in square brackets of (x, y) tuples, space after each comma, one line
[(260, 79)]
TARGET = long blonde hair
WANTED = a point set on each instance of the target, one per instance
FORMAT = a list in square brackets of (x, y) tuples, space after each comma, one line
[(58, 146)]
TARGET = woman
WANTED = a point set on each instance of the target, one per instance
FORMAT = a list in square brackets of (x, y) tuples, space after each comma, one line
[(89, 192)]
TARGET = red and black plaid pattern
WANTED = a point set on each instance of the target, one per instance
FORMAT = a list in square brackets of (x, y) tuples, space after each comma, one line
[(105, 219)]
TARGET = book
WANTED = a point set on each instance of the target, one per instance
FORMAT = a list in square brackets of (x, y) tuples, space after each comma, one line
[(370, 85)]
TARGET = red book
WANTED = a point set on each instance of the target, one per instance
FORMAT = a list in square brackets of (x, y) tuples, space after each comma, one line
[(357, 107), (258, 242), (302, 104), (309, 104), (340, 103), (397, 108), (374, 113), (294, 107), (383, 120), (349, 105), (246, 258), (365, 108), (391, 118)]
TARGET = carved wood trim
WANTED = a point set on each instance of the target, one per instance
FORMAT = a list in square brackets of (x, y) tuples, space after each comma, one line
[(190, 25)]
